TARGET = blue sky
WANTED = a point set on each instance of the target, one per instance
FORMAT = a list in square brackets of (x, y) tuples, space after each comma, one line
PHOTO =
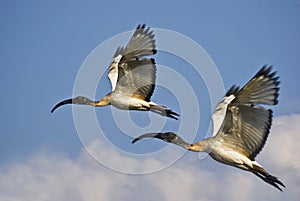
[(44, 43)]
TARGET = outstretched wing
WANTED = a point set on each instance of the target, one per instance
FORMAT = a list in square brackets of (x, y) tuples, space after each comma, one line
[(246, 125), (131, 73), (142, 43)]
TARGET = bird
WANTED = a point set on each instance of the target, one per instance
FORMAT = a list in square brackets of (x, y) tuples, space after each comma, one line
[(241, 126), (132, 76)]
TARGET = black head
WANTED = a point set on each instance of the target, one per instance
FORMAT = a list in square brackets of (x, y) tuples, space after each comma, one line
[(167, 137), (79, 100)]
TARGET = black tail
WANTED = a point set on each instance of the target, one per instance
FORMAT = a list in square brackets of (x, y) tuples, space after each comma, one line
[(265, 176), (164, 111)]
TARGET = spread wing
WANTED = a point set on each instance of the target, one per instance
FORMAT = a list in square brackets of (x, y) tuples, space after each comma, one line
[(129, 71), (246, 125)]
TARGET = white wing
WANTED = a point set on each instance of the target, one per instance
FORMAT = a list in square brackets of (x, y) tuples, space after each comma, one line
[(114, 68)]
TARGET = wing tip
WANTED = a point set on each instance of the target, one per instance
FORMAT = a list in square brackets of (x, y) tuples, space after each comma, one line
[(141, 26), (276, 96), (152, 60), (267, 71), (233, 90), (272, 75)]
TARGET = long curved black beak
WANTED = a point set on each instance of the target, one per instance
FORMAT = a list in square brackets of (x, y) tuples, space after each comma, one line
[(68, 101), (147, 135), (167, 137)]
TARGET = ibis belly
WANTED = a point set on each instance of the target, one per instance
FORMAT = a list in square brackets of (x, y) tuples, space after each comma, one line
[(228, 156), (130, 103)]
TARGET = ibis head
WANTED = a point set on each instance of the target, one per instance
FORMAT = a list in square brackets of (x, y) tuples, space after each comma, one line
[(79, 100)]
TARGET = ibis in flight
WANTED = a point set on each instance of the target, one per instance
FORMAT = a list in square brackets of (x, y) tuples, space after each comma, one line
[(240, 126), (132, 76)]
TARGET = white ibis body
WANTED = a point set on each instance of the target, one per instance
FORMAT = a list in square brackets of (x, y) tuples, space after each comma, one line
[(132, 76)]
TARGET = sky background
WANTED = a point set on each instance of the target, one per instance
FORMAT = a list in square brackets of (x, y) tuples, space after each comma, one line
[(44, 44)]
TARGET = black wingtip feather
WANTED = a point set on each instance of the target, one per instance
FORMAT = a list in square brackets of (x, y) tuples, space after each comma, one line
[(233, 90), (152, 60), (148, 31), (266, 71), (141, 26), (276, 95)]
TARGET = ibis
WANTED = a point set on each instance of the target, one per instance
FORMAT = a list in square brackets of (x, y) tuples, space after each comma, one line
[(132, 76), (241, 126)]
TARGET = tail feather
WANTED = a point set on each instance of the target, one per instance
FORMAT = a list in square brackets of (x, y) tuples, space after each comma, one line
[(164, 111), (270, 180), (266, 177)]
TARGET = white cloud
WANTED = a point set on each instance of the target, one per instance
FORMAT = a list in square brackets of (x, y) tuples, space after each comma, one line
[(48, 176)]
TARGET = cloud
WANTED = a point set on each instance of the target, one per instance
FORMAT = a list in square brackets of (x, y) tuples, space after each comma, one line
[(51, 176)]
